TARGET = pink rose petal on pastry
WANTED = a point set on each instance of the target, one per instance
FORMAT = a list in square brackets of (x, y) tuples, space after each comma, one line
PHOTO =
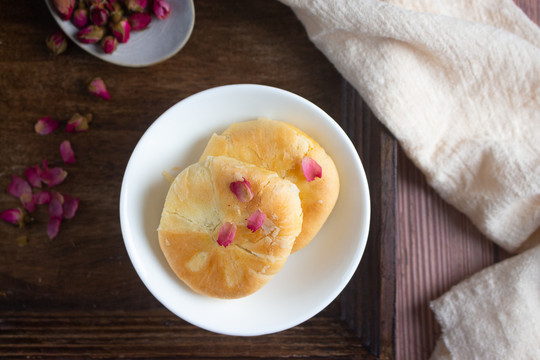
[(98, 88), (256, 220), (45, 125), (71, 204), (311, 169), (226, 234), (67, 152), (242, 190), (33, 174)]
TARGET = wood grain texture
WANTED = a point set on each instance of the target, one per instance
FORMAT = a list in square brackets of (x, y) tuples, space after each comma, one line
[(437, 248)]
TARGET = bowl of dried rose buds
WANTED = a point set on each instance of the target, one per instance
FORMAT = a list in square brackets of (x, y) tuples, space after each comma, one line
[(132, 33)]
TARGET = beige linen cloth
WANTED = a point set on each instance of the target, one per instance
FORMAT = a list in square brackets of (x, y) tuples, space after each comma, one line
[(458, 84)]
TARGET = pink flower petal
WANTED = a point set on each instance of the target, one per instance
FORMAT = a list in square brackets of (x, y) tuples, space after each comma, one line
[(53, 227), (45, 125), (121, 30), (67, 152), (242, 190), (311, 169), (14, 216), (64, 8), (18, 186), (27, 199), (53, 176), (42, 197), (256, 220), (71, 204), (98, 88), (162, 9), (56, 210), (33, 174), (78, 123), (226, 234)]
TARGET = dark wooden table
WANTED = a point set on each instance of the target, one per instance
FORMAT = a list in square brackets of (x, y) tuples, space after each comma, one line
[(79, 296)]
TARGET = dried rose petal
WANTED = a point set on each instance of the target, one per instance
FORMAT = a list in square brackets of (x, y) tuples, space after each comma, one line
[(71, 204), (135, 5), (98, 15), (256, 220), (18, 186), (162, 9), (91, 34), (27, 199), (53, 227), (56, 210), (42, 197), (121, 30), (14, 216), (109, 44), (139, 21), (67, 152), (78, 123), (226, 234), (242, 190), (45, 125), (98, 88), (56, 43), (311, 169), (33, 174), (53, 176), (80, 17), (64, 8)]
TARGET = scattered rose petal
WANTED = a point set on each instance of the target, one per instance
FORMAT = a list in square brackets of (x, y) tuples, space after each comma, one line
[(256, 220), (91, 34), (109, 44), (136, 5), (45, 125), (139, 21), (67, 152), (27, 199), (42, 197), (53, 227), (311, 169), (162, 9), (14, 216), (56, 210), (53, 176), (78, 123), (64, 8), (80, 17), (242, 190), (98, 88), (18, 186), (121, 30), (33, 174), (226, 234), (71, 204), (56, 43), (98, 15)]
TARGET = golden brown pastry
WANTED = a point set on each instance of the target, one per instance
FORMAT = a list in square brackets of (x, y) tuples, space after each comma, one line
[(280, 147), (200, 211)]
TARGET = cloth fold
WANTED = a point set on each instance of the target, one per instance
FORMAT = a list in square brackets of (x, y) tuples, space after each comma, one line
[(457, 82)]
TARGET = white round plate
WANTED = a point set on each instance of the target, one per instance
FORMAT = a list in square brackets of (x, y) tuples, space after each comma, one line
[(311, 278), (160, 41)]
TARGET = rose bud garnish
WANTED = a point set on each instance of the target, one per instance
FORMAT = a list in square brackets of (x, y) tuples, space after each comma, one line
[(70, 206), (139, 21), (64, 8), (91, 34), (98, 88), (45, 125), (162, 9), (226, 234), (121, 30), (311, 169), (33, 174), (56, 43), (78, 123), (15, 217), (67, 152), (80, 16), (109, 44), (242, 190), (136, 5), (256, 220), (116, 12), (98, 15)]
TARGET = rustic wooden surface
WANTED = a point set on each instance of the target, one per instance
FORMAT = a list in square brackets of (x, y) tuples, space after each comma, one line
[(78, 295)]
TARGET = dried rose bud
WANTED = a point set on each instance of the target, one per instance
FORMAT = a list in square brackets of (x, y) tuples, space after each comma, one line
[(53, 227), (18, 186), (45, 125), (256, 220), (226, 234), (98, 88), (135, 5), (33, 174), (242, 190), (15, 217), (116, 12), (56, 43), (80, 17), (311, 169), (139, 21), (64, 8), (53, 176), (109, 44), (98, 15), (162, 9), (121, 30), (70, 206), (91, 34), (42, 197), (67, 152), (78, 123)]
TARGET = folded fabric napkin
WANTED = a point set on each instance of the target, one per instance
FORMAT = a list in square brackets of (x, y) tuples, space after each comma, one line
[(458, 84)]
